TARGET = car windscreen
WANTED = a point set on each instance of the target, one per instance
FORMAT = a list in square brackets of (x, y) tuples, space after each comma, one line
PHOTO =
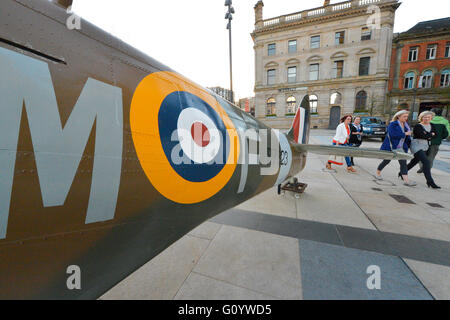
[(371, 121)]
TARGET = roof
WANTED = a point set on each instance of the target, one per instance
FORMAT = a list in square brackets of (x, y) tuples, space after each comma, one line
[(430, 26)]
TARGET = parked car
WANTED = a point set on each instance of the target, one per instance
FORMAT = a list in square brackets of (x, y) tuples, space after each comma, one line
[(374, 127)]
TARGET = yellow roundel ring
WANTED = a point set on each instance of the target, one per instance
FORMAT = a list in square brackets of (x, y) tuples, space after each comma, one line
[(145, 128)]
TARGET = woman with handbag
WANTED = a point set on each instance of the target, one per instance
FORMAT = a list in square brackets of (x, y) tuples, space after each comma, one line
[(423, 132), (342, 138), (398, 138)]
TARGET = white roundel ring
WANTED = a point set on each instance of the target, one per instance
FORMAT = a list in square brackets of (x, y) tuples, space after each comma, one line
[(198, 135)]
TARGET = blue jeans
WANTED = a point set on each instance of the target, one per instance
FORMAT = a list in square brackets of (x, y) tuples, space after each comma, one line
[(348, 160)]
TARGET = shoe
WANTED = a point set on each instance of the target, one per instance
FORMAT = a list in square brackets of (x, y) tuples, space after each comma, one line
[(351, 169), (433, 185), (419, 171), (328, 166), (410, 183), (400, 176), (379, 178)]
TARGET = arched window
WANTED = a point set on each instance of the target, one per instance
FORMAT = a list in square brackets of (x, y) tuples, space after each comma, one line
[(290, 105), (445, 78), (425, 80), (336, 98), (270, 110), (361, 100), (409, 80), (313, 101)]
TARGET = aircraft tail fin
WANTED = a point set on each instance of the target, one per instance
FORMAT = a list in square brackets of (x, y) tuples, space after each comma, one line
[(352, 152), (299, 131)]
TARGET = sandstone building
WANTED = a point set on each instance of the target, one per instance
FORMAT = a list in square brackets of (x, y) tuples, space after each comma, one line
[(337, 54)]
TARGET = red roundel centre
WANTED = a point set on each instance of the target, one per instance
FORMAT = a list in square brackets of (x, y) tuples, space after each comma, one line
[(200, 134)]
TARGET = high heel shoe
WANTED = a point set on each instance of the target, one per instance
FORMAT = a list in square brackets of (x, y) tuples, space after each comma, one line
[(433, 185), (400, 176)]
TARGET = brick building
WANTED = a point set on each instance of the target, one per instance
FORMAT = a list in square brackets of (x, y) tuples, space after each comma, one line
[(420, 68)]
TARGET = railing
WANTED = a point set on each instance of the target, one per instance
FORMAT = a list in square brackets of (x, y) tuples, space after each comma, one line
[(312, 13), (316, 12), (342, 6), (365, 2), (292, 17)]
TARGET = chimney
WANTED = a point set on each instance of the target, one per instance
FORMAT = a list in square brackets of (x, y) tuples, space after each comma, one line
[(259, 11), (326, 3)]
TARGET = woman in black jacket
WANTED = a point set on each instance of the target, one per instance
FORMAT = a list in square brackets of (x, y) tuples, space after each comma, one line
[(356, 132), (423, 132)]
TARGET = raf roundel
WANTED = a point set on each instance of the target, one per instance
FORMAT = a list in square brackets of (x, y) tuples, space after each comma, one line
[(187, 145)]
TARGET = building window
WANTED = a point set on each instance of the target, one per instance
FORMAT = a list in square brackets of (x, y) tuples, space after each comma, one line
[(271, 76), (361, 100), (313, 101), (339, 37), (447, 50), (364, 64), (409, 80), (271, 49), (445, 78), (413, 53), (314, 71), (270, 109), (431, 52), (292, 74), (336, 98), (366, 34), (290, 105), (315, 42), (425, 80), (292, 46), (338, 70)]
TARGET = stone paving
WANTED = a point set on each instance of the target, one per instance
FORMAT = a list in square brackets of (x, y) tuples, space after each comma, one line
[(318, 246)]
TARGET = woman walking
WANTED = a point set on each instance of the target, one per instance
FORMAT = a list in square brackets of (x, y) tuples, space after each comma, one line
[(342, 139), (398, 138), (423, 133), (356, 132)]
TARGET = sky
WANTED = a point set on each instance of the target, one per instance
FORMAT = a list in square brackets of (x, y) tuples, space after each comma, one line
[(190, 36)]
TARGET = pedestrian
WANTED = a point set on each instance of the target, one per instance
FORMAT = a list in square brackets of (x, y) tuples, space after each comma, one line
[(398, 137), (356, 132), (342, 138), (423, 133), (442, 132)]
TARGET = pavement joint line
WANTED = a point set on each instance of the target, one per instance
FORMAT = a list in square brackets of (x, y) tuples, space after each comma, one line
[(236, 285), (417, 278), (193, 267)]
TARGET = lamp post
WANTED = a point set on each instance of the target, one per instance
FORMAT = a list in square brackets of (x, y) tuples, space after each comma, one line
[(229, 17)]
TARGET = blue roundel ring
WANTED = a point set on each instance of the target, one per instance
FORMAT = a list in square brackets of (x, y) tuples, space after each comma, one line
[(171, 109)]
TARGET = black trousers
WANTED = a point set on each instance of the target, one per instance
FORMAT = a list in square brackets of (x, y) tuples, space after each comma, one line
[(403, 166), (422, 157)]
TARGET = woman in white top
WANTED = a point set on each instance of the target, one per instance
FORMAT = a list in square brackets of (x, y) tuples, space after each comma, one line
[(342, 139)]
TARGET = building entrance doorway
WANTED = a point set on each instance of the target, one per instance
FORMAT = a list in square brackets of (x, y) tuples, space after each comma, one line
[(335, 116)]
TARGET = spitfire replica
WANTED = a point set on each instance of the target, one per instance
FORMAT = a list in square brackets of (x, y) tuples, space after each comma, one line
[(107, 157)]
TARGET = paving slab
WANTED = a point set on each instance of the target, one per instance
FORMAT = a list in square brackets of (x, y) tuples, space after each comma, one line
[(163, 276), (435, 277), (206, 230), (258, 261), (200, 287), (336, 273)]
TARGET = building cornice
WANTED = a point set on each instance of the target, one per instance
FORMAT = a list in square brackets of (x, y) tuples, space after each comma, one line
[(328, 16)]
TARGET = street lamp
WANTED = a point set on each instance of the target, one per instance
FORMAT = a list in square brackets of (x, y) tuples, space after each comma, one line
[(229, 17)]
